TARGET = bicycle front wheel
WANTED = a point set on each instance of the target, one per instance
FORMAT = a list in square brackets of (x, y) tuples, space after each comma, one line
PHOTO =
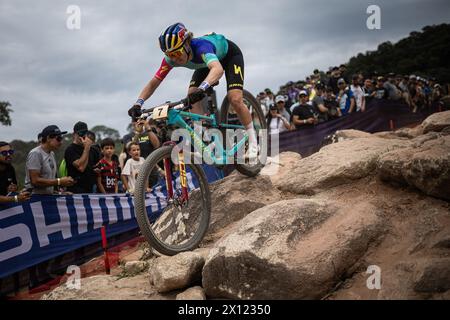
[(173, 212)]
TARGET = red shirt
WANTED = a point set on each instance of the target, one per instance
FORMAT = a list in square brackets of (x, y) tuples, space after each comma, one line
[(109, 174)]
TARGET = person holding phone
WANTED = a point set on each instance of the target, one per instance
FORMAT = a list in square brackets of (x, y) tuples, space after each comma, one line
[(81, 160)]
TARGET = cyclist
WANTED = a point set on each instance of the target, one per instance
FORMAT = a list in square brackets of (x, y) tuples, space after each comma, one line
[(210, 56)]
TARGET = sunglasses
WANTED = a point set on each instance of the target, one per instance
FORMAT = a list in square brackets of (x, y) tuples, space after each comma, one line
[(58, 137), (176, 54), (6, 153)]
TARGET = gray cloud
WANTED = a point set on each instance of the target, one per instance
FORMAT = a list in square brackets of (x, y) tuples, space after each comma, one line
[(52, 75)]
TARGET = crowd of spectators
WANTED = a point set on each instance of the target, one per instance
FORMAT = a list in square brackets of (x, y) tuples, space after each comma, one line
[(325, 96), (87, 167)]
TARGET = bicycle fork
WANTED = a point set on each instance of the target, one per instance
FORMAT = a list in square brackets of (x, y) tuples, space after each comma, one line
[(183, 178)]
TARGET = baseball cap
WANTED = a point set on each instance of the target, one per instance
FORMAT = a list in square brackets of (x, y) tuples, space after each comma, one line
[(80, 126), (341, 80), (279, 98), (52, 130), (303, 93)]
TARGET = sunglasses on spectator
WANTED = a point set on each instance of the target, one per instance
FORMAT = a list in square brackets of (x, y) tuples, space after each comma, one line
[(57, 137), (6, 153), (175, 54)]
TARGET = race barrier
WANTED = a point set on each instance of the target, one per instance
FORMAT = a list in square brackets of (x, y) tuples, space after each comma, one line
[(49, 226), (380, 115)]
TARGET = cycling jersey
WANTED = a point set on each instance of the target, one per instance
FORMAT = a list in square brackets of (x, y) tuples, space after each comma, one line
[(205, 49)]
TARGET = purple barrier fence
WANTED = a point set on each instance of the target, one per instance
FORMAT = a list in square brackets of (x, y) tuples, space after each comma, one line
[(376, 118)]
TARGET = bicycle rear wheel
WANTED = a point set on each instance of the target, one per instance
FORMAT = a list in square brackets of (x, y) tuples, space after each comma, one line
[(229, 116), (174, 216)]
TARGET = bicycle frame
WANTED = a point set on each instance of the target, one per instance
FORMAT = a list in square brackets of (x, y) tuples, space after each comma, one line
[(176, 118)]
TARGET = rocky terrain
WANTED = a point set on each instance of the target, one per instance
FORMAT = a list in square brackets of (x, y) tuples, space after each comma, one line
[(367, 217)]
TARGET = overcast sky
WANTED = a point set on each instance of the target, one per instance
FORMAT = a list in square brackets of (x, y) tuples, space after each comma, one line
[(53, 75)]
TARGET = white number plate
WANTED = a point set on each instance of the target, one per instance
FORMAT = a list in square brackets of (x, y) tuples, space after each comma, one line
[(160, 112)]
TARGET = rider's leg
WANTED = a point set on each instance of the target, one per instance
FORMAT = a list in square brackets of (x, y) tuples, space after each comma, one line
[(236, 99), (196, 107), (197, 78)]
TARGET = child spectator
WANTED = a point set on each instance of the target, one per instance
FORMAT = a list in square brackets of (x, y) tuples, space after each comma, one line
[(132, 166), (108, 169)]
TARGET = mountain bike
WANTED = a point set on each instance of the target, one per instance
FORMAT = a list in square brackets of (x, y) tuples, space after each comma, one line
[(181, 186)]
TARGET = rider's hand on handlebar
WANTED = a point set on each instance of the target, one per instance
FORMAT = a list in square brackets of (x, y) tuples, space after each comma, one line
[(135, 112)]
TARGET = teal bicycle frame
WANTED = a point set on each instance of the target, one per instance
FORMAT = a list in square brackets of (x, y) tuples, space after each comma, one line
[(176, 117)]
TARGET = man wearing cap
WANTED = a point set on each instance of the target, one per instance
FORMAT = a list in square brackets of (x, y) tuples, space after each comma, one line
[(41, 164), (81, 160), (380, 91), (333, 82), (345, 97), (281, 105), (319, 104), (8, 181), (304, 115)]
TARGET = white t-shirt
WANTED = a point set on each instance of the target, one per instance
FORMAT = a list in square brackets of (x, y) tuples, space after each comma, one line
[(131, 170), (358, 93), (277, 126)]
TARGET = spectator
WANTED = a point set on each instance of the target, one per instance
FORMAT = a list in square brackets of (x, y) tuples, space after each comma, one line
[(270, 98), (368, 89), (380, 91), (331, 104), (319, 104), (81, 160), (276, 122), (146, 135), (292, 92), (281, 105), (41, 164), (392, 91), (8, 181), (358, 93), (333, 82), (345, 97), (304, 115), (132, 166), (108, 175)]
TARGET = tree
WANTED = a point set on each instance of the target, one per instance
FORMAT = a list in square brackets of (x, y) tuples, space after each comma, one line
[(102, 132), (5, 118)]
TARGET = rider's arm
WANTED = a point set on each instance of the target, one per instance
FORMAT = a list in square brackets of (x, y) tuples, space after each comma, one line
[(154, 83), (215, 72), (149, 88)]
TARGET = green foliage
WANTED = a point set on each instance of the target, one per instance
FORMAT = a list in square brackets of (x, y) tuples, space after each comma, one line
[(102, 132), (5, 110), (423, 53)]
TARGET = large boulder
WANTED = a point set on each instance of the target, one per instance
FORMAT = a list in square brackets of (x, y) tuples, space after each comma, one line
[(336, 164), (105, 287), (433, 276), (436, 122), (236, 196), (279, 165), (176, 272), (425, 165), (292, 249)]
